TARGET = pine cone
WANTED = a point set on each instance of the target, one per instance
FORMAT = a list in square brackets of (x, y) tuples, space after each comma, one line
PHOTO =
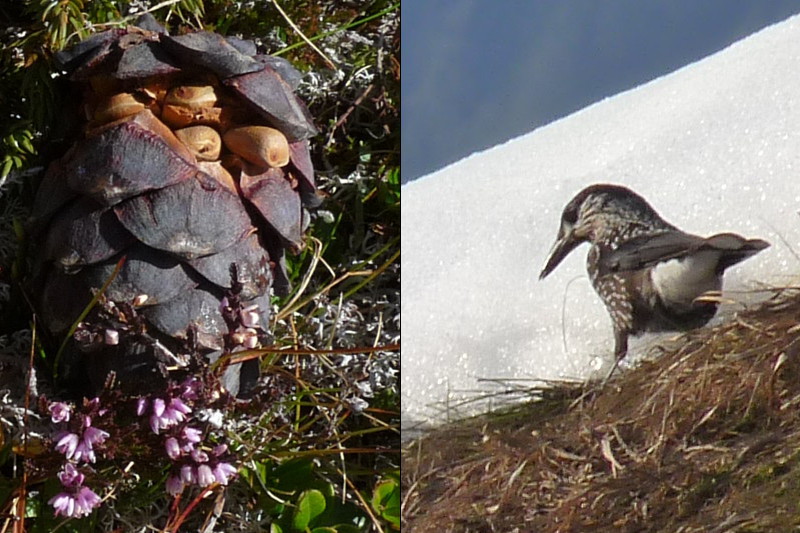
[(192, 156)]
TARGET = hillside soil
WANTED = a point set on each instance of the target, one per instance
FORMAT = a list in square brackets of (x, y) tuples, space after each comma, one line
[(703, 436)]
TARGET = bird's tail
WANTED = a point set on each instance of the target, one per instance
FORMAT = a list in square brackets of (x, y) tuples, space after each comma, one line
[(734, 248)]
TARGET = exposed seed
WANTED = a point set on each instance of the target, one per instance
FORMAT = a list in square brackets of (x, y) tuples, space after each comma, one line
[(203, 141), (180, 117), (192, 96), (259, 145), (116, 107)]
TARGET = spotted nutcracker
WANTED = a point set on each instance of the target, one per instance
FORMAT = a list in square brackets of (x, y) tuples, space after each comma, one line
[(649, 274)]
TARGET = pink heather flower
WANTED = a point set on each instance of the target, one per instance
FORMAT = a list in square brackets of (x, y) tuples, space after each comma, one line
[(173, 450), (177, 405), (190, 389), (192, 435), (86, 500), (199, 456), (141, 406), (63, 503), (187, 447), (94, 436), (156, 424), (223, 472), (158, 406), (166, 416), (174, 485), (75, 505), (67, 443), (84, 451), (70, 476), (219, 449), (76, 501), (205, 476), (59, 412), (187, 474)]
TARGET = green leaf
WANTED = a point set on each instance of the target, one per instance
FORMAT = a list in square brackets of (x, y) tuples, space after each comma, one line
[(7, 164), (324, 529), (27, 145), (293, 474), (386, 500), (345, 528), (275, 528), (310, 505), (13, 142)]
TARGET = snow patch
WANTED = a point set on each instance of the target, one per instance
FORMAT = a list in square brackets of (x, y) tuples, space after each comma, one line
[(713, 147)]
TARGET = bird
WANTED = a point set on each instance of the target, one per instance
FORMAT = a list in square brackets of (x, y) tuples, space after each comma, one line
[(651, 276)]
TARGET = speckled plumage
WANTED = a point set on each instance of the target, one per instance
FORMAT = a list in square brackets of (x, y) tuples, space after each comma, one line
[(648, 273)]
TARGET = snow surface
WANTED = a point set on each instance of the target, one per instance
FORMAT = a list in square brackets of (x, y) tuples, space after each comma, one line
[(714, 146)]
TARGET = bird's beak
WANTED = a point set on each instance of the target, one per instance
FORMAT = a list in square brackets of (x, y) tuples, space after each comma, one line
[(565, 243)]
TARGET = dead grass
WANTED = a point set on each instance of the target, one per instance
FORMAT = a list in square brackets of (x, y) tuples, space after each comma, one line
[(703, 438)]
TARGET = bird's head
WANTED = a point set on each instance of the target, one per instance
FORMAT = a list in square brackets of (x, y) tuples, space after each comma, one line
[(600, 211)]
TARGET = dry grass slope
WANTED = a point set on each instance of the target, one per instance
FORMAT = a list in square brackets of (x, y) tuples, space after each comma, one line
[(703, 438)]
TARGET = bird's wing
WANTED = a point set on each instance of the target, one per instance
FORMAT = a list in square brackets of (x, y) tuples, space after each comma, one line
[(646, 250)]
